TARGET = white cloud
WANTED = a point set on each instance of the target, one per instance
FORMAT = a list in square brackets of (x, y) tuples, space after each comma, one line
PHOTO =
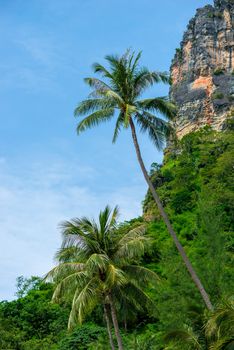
[(33, 60), (32, 203), (41, 50)]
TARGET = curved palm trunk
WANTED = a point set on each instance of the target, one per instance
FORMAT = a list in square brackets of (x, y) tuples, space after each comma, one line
[(108, 325), (115, 323), (166, 220)]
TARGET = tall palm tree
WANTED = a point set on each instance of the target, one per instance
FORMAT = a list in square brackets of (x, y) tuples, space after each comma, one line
[(97, 264), (119, 92)]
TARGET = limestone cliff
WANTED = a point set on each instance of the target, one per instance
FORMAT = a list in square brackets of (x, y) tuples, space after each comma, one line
[(202, 70)]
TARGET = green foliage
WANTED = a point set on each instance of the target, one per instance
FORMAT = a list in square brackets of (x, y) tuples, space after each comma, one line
[(119, 89), (230, 122), (196, 185), (98, 265), (46, 343), (24, 285), (210, 14), (216, 334), (218, 71), (179, 54), (31, 322), (82, 337), (217, 95)]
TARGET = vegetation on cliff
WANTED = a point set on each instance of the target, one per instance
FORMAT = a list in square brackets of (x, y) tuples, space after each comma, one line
[(195, 184)]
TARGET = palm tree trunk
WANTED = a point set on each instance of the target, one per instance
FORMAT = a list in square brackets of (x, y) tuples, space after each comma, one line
[(108, 325), (166, 220), (115, 323)]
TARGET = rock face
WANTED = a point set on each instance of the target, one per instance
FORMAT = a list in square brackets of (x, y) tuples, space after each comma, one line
[(202, 71)]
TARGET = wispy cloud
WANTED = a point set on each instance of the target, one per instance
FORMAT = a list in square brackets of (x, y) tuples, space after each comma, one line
[(31, 59), (42, 51), (28, 79), (35, 200)]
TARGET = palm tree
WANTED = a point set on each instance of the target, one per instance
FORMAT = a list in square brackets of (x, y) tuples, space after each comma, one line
[(216, 334), (220, 326), (98, 264), (120, 90), (184, 339)]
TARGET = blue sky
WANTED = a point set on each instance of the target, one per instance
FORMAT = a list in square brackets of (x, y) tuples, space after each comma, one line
[(47, 173)]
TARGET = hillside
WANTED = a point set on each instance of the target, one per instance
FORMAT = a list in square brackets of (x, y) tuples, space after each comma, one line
[(196, 186)]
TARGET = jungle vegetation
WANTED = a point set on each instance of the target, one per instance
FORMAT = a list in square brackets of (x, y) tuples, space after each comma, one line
[(195, 184)]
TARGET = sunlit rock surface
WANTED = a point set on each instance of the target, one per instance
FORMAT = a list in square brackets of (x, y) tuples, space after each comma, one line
[(202, 70)]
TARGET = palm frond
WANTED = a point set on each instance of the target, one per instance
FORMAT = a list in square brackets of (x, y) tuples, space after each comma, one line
[(99, 68), (63, 269), (184, 337), (134, 295), (132, 245), (222, 320), (84, 302), (107, 219), (144, 78), (223, 344), (88, 299), (92, 104), (80, 233), (115, 96), (119, 71), (68, 254), (113, 60), (97, 84), (141, 275), (135, 63), (95, 119), (156, 128), (115, 277), (72, 237), (129, 110), (69, 284), (97, 262), (114, 217), (119, 123), (160, 104)]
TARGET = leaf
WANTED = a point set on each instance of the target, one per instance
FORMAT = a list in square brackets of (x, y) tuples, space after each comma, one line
[(95, 119)]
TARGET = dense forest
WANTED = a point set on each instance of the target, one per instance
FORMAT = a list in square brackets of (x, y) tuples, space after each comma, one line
[(195, 184)]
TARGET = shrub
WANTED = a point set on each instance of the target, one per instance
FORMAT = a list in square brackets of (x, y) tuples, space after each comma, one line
[(210, 14), (218, 71), (179, 54), (217, 95), (82, 337)]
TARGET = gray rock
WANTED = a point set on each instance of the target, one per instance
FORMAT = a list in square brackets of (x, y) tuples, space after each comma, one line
[(202, 67)]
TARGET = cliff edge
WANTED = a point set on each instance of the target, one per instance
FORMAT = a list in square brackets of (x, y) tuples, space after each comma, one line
[(202, 71)]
